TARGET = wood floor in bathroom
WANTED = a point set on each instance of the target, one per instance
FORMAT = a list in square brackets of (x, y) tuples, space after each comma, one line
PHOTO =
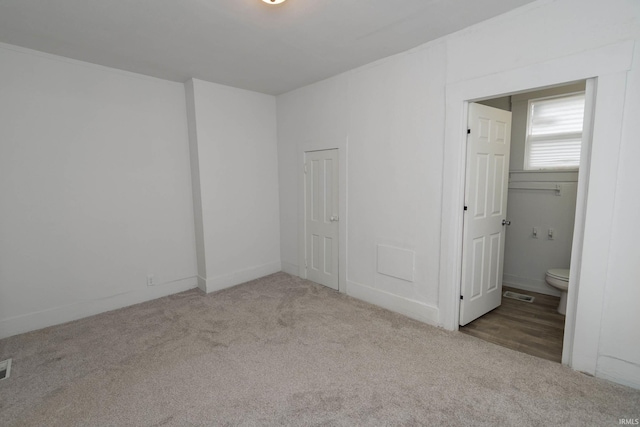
[(533, 328)]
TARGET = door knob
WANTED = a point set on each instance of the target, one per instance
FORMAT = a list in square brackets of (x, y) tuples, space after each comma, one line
[(333, 218), (505, 222)]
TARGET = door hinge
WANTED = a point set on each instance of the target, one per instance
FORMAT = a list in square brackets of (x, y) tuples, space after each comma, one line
[(465, 208), (461, 297), (468, 131), (305, 168)]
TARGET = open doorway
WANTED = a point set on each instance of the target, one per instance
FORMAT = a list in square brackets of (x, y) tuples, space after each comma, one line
[(537, 226), (605, 69)]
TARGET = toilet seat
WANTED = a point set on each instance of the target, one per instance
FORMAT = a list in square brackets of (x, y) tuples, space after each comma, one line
[(559, 273)]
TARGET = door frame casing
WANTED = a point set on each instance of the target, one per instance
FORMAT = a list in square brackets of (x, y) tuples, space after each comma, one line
[(303, 148), (609, 65)]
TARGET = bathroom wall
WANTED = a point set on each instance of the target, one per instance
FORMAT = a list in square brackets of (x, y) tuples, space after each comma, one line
[(528, 257)]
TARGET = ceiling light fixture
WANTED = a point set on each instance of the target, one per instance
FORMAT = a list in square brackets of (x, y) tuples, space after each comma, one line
[(273, 1)]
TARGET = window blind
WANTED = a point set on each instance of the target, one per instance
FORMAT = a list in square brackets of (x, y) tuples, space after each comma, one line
[(554, 132)]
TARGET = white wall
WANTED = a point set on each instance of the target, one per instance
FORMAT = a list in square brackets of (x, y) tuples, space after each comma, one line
[(235, 164), (619, 347), (527, 258), (95, 191), (391, 201), (395, 169), (395, 126), (316, 115)]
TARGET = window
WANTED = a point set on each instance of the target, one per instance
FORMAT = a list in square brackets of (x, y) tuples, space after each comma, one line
[(554, 132)]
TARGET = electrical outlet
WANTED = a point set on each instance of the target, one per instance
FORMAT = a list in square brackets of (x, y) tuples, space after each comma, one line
[(150, 280)]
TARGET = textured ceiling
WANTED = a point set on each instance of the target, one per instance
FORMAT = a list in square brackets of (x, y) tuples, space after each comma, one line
[(241, 43)]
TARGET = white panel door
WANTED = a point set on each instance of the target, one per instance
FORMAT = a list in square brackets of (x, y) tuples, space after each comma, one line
[(487, 175), (321, 217)]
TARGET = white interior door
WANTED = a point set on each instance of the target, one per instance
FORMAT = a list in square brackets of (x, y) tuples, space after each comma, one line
[(487, 175), (321, 217)]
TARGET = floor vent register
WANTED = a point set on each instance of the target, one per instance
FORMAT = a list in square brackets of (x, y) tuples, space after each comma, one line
[(5, 369), (519, 297)]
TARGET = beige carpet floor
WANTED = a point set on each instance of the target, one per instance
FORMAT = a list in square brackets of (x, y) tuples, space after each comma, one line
[(284, 351)]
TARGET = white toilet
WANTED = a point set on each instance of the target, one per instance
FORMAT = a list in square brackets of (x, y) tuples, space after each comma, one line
[(559, 279)]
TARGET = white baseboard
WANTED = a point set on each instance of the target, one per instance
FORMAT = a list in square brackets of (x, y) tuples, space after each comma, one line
[(224, 281), (414, 309), (55, 316), (202, 283), (527, 284), (290, 268), (619, 371)]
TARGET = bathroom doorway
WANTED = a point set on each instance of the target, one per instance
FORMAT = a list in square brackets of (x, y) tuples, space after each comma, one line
[(546, 135)]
